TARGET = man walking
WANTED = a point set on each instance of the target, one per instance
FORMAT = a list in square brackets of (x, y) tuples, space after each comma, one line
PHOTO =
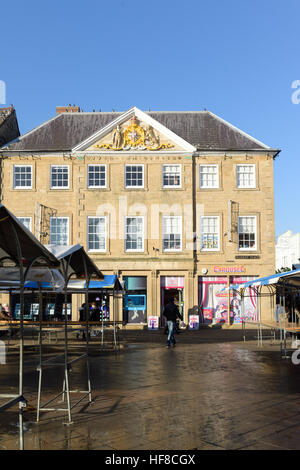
[(171, 312)]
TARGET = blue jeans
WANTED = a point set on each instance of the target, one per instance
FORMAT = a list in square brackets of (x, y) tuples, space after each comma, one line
[(171, 327)]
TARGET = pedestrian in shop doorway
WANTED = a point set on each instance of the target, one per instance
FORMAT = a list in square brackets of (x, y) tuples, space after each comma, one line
[(171, 313)]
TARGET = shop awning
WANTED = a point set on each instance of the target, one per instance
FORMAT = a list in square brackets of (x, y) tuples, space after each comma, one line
[(110, 282), (77, 258), (291, 278), (31, 248)]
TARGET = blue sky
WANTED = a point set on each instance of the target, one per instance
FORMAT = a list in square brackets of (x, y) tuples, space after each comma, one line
[(235, 58)]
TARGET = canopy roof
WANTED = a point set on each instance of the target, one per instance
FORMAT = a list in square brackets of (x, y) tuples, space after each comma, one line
[(288, 278), (31, 248), (52, 278), (77, 258)]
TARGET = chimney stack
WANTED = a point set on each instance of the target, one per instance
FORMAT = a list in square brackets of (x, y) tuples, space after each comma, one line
[(67, 109)]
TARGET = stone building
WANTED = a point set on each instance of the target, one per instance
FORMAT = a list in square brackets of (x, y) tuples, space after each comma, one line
[(175, 203)]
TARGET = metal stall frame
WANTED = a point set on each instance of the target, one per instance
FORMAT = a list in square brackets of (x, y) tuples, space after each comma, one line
[(67, 364), (19, 258), (287, 284), (115, 291)]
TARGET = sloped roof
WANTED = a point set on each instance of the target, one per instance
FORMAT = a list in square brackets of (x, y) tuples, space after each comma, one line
[(202, 129), (9, 129)]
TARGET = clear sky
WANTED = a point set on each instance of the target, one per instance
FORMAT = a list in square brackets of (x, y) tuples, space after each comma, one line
[(235, 58)]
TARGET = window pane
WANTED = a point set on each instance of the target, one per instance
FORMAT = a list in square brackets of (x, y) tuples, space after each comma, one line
[(59, 230), (171, 175), (172, 233), (25, 221), (96, 176), (209, 176), (22, 176), (134, 176), (59, 176), (96, 233), (134, 234), (245, 176), (247, 232), (209, 233)]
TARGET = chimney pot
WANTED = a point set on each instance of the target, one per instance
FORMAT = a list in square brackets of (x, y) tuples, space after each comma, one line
[(67, 109)]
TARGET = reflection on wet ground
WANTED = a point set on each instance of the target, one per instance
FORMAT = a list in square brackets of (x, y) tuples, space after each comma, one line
[(196, 396)]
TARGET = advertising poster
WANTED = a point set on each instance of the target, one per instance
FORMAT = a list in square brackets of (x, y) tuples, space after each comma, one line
[(153, 323), (34, 309), (194, 322), (50, 309)]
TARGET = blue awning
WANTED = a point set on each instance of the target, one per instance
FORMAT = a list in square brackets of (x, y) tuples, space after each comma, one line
[(110, 281)]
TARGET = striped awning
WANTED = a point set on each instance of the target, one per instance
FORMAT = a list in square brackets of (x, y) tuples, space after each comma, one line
[(291, 278)]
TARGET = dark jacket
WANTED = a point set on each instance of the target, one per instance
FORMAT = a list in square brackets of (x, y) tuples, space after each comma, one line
[(171, 312)]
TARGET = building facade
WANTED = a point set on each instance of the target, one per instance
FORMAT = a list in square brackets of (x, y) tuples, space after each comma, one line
[(175, 203), (287, 250)]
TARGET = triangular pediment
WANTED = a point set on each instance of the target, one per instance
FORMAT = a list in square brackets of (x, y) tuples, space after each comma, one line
[(134, 131)]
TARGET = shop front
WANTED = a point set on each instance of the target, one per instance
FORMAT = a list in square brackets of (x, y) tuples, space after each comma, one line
[(53, 306), (172, 287), (135, 299), (218, 305)]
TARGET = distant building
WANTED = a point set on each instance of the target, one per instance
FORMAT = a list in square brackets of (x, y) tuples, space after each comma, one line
[(287, 250)]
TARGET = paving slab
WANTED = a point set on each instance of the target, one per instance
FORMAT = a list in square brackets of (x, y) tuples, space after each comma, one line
[(206, 395)]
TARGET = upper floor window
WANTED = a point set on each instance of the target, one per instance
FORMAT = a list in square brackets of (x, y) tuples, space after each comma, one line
[(59, 176), (22, 177), (247, 232), (134, 176), (134, 234), (59, 231), (245, 176), (171, 176), (96, 176), (172, 233), (209, 176), (25, 221), (96, 234), (210, 233)]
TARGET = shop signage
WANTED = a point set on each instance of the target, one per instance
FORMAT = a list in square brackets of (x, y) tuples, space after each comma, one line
[(173, 282), (229, 269), (153, 323), (247, 257)]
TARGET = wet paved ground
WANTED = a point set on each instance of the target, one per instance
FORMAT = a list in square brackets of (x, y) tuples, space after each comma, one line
[(208, 395)]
